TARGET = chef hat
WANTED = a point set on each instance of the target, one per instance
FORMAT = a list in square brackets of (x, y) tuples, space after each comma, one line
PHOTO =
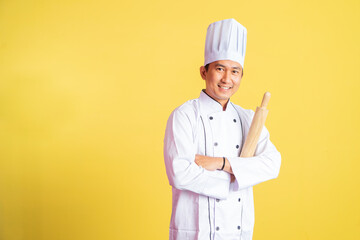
[(225, 40)]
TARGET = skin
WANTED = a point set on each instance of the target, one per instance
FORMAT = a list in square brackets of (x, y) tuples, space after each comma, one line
[(222, 80)]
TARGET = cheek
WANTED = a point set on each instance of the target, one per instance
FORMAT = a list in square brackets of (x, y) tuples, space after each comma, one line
[(237, 84), (213, 81)]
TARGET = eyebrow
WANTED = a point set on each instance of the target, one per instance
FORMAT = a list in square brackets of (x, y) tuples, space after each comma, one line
[(220, 65)]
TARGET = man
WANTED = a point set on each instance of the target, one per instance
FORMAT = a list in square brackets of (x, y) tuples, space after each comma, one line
[(212, 185)]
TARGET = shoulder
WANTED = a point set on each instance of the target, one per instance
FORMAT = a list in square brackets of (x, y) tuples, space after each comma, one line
[(188, 110)]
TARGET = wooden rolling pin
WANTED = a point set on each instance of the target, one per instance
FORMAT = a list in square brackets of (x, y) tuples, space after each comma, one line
[(256, 127)]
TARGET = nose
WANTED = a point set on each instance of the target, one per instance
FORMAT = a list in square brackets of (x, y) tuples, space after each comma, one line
[(226, 77)]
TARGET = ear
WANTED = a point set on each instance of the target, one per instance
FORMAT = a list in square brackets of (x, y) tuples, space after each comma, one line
[(203, 72)]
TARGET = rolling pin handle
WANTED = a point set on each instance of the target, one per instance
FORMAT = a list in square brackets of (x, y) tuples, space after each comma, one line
[(265, 100)]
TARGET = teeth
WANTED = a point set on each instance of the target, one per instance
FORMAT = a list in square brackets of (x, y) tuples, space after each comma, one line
[(226, 88)]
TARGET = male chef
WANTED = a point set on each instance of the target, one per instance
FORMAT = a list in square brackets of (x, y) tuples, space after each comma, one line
[(212, 194)]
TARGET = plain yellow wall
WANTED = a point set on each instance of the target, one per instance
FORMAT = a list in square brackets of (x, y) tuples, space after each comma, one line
[(86, 88)]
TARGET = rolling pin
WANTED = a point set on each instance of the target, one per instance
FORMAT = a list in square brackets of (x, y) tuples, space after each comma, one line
[(256, 127)]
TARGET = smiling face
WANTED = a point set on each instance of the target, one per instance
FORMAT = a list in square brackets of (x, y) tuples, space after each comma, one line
[(222, 79)]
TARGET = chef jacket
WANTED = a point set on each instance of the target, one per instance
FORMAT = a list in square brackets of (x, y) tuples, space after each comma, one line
[(206, 204)]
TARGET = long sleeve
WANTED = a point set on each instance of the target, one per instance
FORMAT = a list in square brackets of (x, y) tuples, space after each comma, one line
[(265, 165), (179, 154)]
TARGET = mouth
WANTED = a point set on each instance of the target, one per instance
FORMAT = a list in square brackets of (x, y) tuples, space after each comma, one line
[(224, 87)]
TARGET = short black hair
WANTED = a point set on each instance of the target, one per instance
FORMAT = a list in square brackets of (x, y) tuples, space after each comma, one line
[(207, 68)]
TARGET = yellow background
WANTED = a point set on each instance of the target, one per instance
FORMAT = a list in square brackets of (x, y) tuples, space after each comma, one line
[(86, 88)]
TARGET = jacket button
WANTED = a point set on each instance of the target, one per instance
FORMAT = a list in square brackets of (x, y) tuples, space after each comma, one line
[(218, 200), (237, 146), (239, 199), (211, 118), (234, 120), (215, 144), (217, 228), (239, 227)]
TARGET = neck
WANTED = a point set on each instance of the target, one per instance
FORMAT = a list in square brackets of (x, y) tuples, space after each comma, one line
[(223, 103)]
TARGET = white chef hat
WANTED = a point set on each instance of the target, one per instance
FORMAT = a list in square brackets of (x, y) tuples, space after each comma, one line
[(225, 40)]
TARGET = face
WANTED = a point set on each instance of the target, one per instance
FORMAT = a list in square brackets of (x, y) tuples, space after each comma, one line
[(222, 79)]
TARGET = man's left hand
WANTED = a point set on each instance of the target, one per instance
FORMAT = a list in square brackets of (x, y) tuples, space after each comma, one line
[(209, 163)]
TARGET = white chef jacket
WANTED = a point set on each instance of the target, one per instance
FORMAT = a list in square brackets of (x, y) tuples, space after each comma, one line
[(205, 204)]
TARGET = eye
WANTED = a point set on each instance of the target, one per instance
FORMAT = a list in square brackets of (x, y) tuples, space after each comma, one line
[(235, 72), (220, 69)]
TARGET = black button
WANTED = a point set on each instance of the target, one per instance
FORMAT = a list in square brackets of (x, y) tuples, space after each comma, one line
[(211, 118), (217, 228), (239, 199), (239, 227), (215, 144), (237, 146), (234, 120), (218, 200)]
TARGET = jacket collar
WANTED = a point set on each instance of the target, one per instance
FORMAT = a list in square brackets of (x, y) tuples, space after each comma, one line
[(209, 105)]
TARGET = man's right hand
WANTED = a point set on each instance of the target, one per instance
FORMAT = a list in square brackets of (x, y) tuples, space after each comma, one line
[(232, 178)]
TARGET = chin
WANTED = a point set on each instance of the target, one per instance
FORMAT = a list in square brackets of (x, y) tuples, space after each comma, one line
[(224, 97)]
